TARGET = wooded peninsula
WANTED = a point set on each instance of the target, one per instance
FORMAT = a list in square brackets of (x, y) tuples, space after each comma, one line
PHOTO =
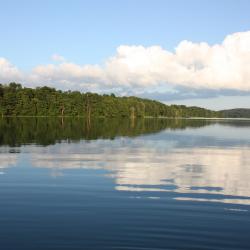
[(16, 100)]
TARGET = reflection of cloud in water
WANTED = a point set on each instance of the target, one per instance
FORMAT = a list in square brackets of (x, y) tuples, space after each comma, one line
[(234, 201), (7, 160), (143, 168)]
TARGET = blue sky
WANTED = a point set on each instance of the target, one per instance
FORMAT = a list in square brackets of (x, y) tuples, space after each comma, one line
[(89, 33)]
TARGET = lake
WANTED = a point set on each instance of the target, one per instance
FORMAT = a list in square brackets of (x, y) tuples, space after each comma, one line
[(124, 184)]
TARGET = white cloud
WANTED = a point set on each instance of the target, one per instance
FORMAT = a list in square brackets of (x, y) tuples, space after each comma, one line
[(9, 72), (58, 58), (193, 65)]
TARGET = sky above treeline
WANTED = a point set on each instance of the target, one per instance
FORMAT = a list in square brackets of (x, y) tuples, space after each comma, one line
[(184, 52)]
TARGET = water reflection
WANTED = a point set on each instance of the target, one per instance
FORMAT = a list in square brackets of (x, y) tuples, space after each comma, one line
[(7, 160), (141, 169), (202, 164), (15, 132)]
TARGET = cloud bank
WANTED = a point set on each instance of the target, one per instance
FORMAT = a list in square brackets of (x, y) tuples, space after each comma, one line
[(195, 66)]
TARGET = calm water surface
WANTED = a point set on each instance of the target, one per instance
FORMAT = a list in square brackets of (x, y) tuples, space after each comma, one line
[(118, 184)]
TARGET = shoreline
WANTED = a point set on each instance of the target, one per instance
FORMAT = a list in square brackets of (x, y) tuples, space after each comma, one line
[(145, 117)]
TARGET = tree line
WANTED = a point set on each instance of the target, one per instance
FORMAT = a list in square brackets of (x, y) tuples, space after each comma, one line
[(236, 113), (16, 100)]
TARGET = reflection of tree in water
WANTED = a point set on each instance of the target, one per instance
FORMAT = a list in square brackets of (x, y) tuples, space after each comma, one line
[(46, 131)]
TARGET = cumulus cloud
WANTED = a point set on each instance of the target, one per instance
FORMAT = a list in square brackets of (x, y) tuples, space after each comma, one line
[(9, 72), (191, 65)]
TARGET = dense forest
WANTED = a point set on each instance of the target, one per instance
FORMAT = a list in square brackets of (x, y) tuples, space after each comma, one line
[(236, 113), (16, 100)]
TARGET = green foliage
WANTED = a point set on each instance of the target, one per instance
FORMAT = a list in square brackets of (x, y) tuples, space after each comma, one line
[(236, 113), (16, 100)]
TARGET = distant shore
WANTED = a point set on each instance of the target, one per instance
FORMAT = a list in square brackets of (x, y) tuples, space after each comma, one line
[(145, 117)]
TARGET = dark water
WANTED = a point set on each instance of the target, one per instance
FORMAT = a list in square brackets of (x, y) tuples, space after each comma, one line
[(119, 184)]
